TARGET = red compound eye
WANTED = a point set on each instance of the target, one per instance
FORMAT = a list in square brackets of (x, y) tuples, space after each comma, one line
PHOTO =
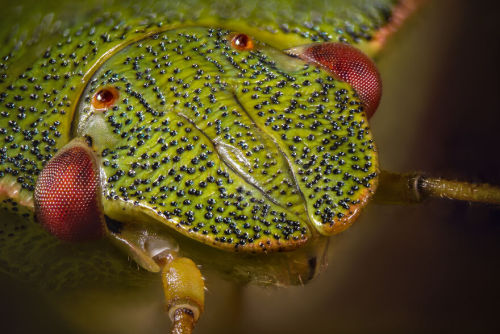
[(105, 98), (242, 42), (348, 64), (68, 195)]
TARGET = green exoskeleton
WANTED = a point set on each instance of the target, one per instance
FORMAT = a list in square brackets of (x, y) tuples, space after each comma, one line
[(233, 135)]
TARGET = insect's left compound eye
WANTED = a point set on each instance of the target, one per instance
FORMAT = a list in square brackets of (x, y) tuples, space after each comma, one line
[(346, 63), (105, 98), (68, 195), (242, 42)]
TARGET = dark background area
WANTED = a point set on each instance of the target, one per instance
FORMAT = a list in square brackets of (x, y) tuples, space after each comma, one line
[(427, 268)]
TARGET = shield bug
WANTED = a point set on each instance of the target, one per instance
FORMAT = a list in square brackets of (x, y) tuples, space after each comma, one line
[(241, 158)]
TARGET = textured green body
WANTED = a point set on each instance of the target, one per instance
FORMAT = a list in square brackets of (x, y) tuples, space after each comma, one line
[(239, 150)]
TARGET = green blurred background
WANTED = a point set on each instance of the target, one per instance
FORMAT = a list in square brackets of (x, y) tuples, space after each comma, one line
[(429, 268)]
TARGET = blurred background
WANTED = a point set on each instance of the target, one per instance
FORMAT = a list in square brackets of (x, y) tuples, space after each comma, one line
[(427, 268)]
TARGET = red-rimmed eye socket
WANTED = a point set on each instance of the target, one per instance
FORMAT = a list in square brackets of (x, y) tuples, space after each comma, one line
[(105, 98), (68, 195), (348, 64), (241, 42)]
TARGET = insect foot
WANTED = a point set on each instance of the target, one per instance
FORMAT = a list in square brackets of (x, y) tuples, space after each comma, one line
[(68, 194)]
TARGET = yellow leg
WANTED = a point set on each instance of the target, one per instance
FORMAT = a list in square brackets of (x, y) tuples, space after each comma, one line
[(183, 322), (413, 188), (184, 293)]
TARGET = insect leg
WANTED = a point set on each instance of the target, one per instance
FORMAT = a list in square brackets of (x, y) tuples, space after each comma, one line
[(414, 188), (184, 293)]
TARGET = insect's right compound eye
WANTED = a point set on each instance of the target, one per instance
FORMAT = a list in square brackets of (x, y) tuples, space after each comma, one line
[(346, 63), (68, 195)]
